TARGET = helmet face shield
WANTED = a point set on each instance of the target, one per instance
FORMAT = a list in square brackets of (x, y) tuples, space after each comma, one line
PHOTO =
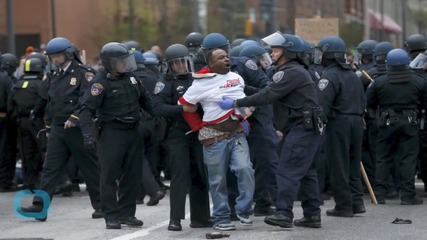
[(318, 53), (180, 66), (265, 60), (275, 39), (420, 62), (123, 64)]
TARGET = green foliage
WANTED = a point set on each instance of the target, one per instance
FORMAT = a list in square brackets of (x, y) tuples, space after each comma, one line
[(420, 19)]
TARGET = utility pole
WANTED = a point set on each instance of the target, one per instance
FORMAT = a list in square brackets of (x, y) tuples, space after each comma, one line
[(53, 18), (10, 27), (382, 20)]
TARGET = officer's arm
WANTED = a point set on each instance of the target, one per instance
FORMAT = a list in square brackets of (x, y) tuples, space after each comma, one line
[(91, 100), (163, 105), (41, 100), (280, 87), (254, 75), (45, 93), (424, 95), (371, 96), (145, 100)]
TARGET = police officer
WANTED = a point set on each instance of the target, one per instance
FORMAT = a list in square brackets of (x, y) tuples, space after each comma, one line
[(64, 88), (27, 103), (262, 139), (150, 138), (365, 51), (398, 96), (343, 101), (371, 128), (6, 167), (115, 97), (416, 45), (193, 41), (133, 45), (184, 149), (296, 110)]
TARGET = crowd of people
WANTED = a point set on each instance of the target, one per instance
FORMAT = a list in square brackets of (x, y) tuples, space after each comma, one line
[(257, 125)]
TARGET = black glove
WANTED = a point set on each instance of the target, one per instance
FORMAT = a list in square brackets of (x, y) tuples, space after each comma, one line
[(89, 142)]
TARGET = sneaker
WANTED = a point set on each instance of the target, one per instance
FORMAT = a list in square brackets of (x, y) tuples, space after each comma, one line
[(224, 226), (245, 219)]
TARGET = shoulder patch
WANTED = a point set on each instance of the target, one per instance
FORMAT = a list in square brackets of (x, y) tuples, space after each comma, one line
[(96, 89), (89, 76), (159, 87), (203, 75), (133, 80), (323, 83), (278, 76), (251, 65)]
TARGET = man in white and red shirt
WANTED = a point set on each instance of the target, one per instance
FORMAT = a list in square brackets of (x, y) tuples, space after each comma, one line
[(223, 138)]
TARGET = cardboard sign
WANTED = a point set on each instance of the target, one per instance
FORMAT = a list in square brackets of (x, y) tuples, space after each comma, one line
[(314, 29)]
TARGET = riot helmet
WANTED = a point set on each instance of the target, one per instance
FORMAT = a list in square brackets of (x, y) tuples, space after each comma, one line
[(331, 47), (397, 57), (9, 63), (365, 51), (309, 51), (34, 66), (133, 45), (139, 59), (236, 42), (235, 52), (39, 56), (258, 54), (116, 58), (249, 43), (416, 42), (178, 60), (380, 52), (215, 40), (292, 47), (60, 45), (194, 39), (150, 58)]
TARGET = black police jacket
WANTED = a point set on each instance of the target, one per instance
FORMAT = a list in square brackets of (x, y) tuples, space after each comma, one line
[(341, 92), (148, 78), (5, 87), (113, 99), (165, 100), (408, 92), (291, 91), (64, 91), (255, 77), (26, 96)]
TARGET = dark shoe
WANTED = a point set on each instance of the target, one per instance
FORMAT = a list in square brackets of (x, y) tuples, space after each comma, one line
[(139, 201), (381, 200), (359, 209), (109, 224), (310, 222), (411, 201), (8, 189), (75, 187), (201, 224), (392, 194), (233, 217), (337, 213), (154, 200), (67, 193), (67, 186), (175, 225), (263, 211), (33, 209), (131, 222), (97, 214), (280, 220), (245, 219)]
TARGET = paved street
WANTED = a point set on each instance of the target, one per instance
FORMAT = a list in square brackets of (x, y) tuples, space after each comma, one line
[(69, 218)]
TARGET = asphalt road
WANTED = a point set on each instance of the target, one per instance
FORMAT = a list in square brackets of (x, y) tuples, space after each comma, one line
[(69, 218)]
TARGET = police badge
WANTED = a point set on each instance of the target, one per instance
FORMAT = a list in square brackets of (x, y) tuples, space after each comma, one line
[(73, 81)]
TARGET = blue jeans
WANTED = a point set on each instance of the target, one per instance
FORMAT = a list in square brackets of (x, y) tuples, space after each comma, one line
[(233, 153)]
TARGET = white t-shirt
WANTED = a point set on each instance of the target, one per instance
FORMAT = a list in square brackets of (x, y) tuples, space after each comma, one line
[(209, 92)]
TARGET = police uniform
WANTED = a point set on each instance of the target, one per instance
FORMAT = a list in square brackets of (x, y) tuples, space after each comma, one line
[(262, 140), (343, 101), (185, 153), (27, 103), (64, 90), (292, 92), (6, 168), (398, 96), (116, 101)]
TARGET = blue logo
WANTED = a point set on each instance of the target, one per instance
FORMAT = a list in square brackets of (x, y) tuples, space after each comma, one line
[(37, 193)]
